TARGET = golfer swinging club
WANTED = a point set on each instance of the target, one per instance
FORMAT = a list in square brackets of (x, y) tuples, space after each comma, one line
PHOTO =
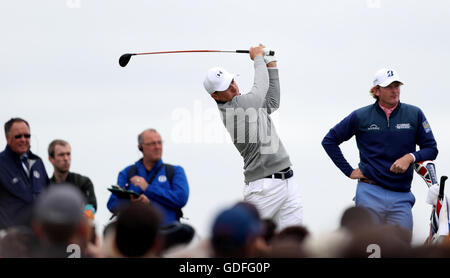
[(269, 182)]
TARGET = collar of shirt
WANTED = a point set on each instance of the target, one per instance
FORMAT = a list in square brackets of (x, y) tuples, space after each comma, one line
[(387, 111), (148, 174)]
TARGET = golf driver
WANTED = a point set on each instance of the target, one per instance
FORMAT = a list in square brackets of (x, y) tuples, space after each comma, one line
[(125, 58)]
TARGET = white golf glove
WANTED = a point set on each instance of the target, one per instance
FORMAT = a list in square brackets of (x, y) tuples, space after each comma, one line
[(432, 195), (267, 57)]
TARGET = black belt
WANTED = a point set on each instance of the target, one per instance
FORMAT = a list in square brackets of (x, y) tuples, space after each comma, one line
[(283, 174)]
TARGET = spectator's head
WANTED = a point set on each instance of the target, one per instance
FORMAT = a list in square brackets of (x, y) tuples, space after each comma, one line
[(136, 231), (328, 244), (176, 234), (58, 216), (235, 231), (287, 248), (269, 229), (150, 144), (356, 218), (17, 132), (109, 248), (59, 154), (17, 243), (386, 241), (294, 233), (289, 242)]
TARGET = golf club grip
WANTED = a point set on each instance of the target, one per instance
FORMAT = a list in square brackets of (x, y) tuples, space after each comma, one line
[(271, 52), (442, 187)]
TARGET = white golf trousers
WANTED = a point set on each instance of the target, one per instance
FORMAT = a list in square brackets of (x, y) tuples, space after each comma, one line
[(277, 199)]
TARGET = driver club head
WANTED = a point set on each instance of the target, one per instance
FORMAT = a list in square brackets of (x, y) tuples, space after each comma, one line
[(124, 59)]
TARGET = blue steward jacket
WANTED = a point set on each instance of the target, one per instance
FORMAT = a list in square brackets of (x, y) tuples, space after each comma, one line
[(167, 197), (18, 191), (381, 141)]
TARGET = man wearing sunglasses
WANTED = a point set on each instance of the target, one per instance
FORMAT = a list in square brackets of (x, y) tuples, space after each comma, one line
[(22, 175)]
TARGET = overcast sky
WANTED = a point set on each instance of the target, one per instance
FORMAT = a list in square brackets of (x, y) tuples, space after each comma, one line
[(59, 70)]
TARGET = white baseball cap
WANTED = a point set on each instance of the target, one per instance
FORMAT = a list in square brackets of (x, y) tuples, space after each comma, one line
[(385, 76), (217, 79)]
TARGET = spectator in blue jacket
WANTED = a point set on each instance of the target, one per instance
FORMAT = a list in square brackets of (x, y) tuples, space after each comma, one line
[(387, 133), (22, 175), (149, 177)]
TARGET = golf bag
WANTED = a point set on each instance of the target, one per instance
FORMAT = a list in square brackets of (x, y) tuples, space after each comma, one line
[(439, 219)]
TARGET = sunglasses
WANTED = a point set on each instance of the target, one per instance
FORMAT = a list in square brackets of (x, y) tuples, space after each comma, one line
[(18, 136)]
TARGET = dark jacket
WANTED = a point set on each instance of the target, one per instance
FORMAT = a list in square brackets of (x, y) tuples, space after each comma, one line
[(381, 141), (17, 190), (84, 184)]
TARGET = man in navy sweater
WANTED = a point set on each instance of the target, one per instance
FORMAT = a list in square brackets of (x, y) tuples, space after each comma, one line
[(22, 175), (387, 133)]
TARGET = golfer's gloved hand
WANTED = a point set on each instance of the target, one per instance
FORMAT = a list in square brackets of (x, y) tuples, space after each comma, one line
[(432, 195), (267, 57)]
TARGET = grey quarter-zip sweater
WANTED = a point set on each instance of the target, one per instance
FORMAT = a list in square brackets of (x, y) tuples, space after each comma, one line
[(247, 119)]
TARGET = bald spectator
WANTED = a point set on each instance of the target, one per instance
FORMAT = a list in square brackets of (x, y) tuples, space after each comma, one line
[(163, 185)]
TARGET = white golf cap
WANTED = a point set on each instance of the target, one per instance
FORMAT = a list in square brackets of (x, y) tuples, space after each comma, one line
[(385, 76), (217, 79)]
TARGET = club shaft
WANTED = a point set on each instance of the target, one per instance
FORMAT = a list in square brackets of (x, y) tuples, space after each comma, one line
[(125, 58), (190, 51)]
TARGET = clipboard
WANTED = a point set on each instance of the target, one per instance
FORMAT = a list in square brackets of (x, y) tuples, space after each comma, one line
[(122, 193)]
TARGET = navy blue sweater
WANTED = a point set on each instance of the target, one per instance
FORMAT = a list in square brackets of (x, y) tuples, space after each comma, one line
[(18, 191), (381, 141)]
